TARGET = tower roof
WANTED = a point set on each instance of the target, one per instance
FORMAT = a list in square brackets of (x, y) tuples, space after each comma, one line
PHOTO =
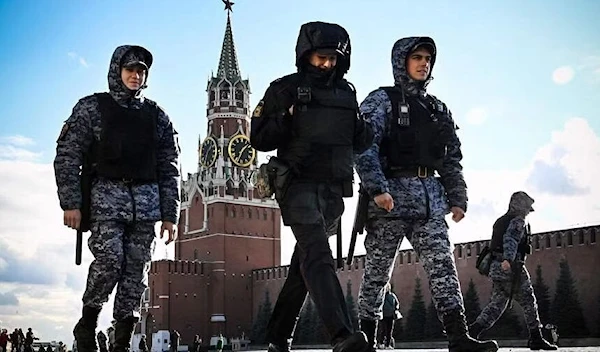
[(228, 63)]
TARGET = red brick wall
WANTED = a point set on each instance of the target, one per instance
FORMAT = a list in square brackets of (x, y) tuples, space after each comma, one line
[(583, 260), (236, 270)]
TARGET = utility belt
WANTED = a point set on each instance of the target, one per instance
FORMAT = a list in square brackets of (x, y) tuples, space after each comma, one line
[(413, 171)]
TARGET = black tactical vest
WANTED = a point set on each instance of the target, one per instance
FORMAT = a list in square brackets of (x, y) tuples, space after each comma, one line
[(500, 227), (323, 133), (415, 137), (128, 141)]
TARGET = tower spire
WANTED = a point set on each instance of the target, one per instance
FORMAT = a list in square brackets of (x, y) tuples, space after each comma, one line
[(228, 63)]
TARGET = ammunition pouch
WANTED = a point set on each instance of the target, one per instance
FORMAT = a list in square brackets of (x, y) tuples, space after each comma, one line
[(273, 178), (524, 247)]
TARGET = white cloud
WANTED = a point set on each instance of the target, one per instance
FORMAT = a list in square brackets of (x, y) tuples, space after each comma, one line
[(9, 152), (13, 148), (477, 116), (563, 75), (32, 235), (17, 140), (564, 199), (592, 64), (575, 150), (589, 67), (78, 58), (37, 253)]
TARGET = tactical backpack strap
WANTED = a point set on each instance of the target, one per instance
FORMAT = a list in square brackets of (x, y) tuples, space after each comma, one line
[(103, 102), (436, 105), (400, 108), (153, 109)]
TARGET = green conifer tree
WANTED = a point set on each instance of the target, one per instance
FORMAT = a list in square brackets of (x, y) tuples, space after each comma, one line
[(259, 328), (320, 335), (417, 316), (542, 295), (507, 327), (433, 327), (566, 310), (472, 306), (304, 326)]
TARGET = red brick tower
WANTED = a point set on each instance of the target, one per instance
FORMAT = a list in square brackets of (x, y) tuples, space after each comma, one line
[(224, 231)]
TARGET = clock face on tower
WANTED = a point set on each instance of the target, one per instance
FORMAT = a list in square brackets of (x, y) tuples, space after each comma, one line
[(208, 152), (240, 151)]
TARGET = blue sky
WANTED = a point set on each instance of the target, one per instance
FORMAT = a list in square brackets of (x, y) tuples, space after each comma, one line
[(498, 55), (521, 78)]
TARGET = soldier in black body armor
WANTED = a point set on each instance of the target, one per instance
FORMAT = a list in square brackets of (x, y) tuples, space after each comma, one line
[(311, 118), (510, 245)]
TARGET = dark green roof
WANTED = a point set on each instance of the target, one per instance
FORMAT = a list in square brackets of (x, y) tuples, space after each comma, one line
[(228, 63)]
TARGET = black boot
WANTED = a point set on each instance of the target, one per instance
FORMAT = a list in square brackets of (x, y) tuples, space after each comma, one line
[(356, 342), (475, 330), (369, 327), (123, 333), (537, 342), (278, 348), (85, 330), (458, 337)]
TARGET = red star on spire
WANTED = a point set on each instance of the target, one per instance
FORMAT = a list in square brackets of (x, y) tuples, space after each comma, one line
[(228, 5)]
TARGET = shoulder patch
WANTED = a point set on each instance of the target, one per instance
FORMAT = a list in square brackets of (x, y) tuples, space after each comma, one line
[(63, 131), (259, 109)]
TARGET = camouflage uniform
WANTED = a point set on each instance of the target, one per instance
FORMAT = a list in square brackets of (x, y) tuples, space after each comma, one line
[(123, 215), (420, 204), (520, 206)]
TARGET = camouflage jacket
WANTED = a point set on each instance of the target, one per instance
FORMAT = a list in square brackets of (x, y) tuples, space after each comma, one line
[(112, 200), (414, 198)]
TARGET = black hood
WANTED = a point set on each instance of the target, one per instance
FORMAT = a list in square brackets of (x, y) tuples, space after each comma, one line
[(322, 35)]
